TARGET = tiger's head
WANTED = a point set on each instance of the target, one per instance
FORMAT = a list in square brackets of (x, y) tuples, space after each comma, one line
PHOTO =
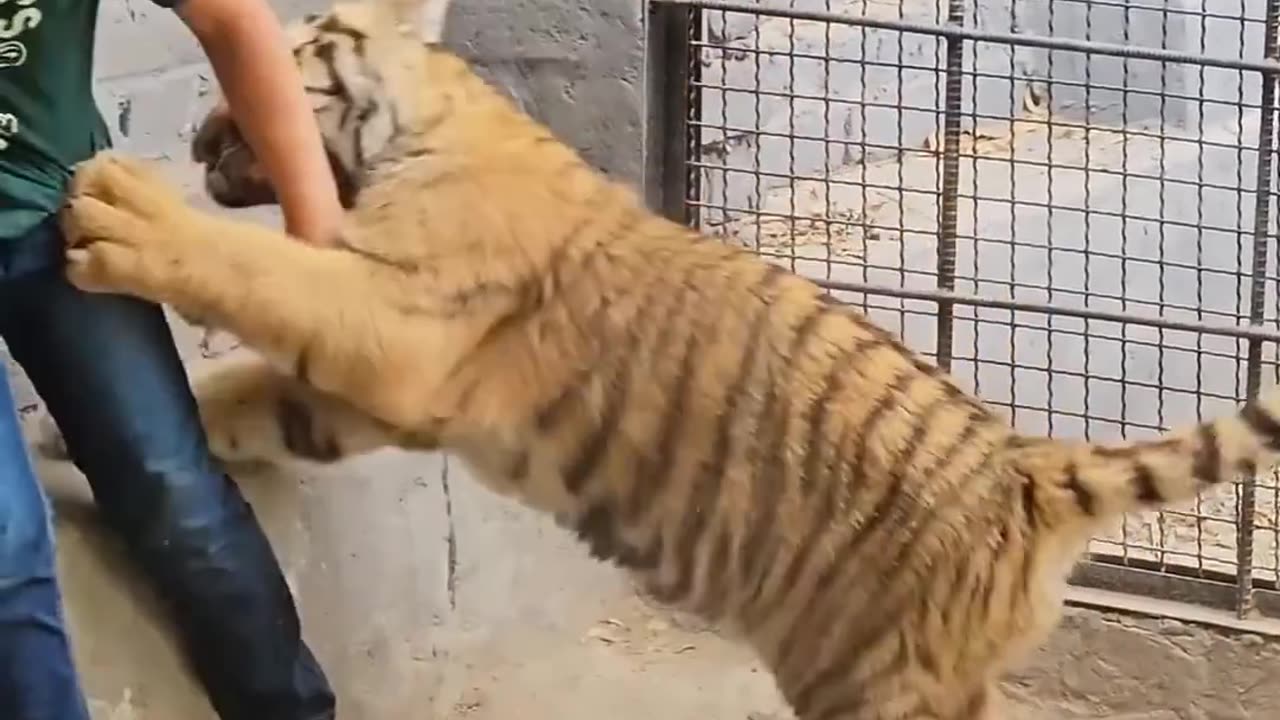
[(361, 63)]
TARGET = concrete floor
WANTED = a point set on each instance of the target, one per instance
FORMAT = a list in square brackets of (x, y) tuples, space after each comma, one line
[(523, 626), (424, 596), (427, 597)]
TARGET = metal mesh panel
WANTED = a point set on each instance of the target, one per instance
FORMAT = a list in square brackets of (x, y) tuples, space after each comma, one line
[(1066, 203)]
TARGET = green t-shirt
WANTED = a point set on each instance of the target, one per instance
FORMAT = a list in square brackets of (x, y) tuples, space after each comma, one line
[(48, 118)]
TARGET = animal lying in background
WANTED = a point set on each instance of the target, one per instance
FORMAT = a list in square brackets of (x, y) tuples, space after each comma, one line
[(750, 449)]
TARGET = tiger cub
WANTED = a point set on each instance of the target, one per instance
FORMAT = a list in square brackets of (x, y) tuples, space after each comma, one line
[(750, 449)]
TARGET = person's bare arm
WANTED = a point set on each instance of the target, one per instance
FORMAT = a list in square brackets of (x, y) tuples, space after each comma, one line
[(246, 46)]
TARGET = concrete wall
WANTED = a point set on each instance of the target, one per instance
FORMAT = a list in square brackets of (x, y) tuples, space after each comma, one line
[(1221, 28), (575, 65), (900, 78)]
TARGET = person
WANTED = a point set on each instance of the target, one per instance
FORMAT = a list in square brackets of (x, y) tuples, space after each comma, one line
[(108, 371)]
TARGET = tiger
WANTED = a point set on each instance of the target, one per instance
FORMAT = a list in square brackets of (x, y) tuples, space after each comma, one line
[(747, 447)]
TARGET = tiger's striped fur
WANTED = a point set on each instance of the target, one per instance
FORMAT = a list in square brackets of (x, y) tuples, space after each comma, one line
[(748, 448)]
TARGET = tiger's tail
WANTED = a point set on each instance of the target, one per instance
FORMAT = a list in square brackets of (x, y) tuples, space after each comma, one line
[(1073, 481)]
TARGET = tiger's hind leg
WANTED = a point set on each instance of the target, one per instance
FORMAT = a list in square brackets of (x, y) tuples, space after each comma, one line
[(987, 704), (909, 706), (252, 414), (890, 710), (886, 711), (906, 694)]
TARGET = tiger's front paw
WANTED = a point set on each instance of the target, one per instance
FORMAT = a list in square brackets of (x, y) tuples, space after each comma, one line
[(124, 226)]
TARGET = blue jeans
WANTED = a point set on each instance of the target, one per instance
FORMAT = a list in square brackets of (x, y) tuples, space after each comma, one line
[(107, 369)]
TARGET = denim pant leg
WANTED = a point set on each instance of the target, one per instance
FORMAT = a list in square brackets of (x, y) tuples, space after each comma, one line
[(108, 370), (37, 675)]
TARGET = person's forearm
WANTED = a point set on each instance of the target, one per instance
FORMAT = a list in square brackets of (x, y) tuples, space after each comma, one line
[(262, 86)]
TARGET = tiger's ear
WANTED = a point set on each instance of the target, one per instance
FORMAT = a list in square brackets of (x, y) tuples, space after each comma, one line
[(423, 18)]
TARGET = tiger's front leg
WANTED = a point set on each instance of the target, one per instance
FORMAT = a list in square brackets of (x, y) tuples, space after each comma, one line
[(128, 231), (320, 314)]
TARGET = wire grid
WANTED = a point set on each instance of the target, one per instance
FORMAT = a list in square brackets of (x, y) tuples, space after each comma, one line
[(1105, 213)]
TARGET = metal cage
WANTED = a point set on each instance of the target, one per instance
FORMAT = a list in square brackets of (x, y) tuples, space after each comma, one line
[(1067, 204)]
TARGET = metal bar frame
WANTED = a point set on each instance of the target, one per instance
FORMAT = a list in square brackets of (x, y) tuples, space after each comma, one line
[(672, 33), (963, 33), (676, 36), (1257, 298)]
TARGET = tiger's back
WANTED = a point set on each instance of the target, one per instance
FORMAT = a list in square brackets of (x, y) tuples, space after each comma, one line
[(765, 457), (768, 458), (749, 448)]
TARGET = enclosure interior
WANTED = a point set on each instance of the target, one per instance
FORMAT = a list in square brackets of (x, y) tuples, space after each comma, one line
[(1068, 204)]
